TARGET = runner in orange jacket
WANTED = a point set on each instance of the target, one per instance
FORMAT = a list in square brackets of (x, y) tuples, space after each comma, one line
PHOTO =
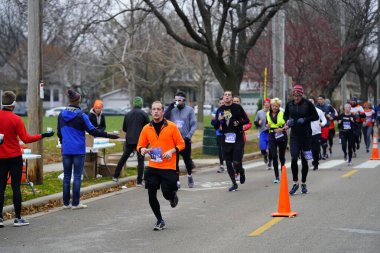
[(162, 140)]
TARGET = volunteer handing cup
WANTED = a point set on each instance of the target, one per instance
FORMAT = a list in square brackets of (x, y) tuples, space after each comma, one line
[(1, 138)]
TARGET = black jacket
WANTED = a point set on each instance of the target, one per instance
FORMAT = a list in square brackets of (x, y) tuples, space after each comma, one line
[(305, 109), (134, 121), (100, 123)]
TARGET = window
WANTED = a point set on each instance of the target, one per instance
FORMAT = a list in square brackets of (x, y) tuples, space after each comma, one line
[(55, 95), (46, 95)]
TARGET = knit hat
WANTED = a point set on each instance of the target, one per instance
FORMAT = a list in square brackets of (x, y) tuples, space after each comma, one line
[(297, 90), (98, 104), (137, 102), (73, 96), (8, 99)]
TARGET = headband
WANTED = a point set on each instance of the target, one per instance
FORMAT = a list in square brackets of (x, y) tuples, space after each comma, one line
[(13, 104), (179, 97)]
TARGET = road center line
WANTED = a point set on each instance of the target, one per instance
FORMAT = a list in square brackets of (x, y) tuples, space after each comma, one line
[(350, 173), (266, 226)]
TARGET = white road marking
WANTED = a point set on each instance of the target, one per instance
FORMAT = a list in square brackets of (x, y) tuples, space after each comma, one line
[(330, 164), (368, 165), (359, 231)]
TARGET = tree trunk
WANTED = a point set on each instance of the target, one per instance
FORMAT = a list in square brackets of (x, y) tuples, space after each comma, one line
[(201, 100)]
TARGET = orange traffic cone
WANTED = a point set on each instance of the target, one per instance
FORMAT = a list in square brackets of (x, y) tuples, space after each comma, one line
[(375, 151), (284, 198)]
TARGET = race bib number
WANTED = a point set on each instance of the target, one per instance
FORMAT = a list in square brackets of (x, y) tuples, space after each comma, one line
[(346, 125), (230, 138), (180, 123), (278, 135), (156, 155)]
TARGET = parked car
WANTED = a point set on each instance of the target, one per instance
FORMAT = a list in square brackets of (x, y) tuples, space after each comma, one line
[(20, 111), (53, 112), (113, 111)]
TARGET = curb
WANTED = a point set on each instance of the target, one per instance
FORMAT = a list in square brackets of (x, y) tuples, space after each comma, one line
[(57, 196)]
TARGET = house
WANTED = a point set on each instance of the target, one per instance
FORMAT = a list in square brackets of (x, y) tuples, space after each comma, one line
[(116, 99)]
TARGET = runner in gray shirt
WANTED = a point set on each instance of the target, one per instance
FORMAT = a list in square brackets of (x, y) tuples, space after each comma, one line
[(184, 117), (260, 122)]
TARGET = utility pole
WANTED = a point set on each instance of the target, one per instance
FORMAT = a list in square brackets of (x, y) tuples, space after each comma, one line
[(343, 81), (278, 54), (35, 167)]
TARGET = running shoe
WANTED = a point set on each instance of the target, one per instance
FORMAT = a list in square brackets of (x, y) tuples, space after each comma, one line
[(294, 189), (20, 222), (242, 176), (174, 201), (66, 207), (190, 181), (276, 180), (160, 225), (79, 206), (1, 223), (115, 179), (270, 165), (303, 188), (265, 159), (221, 169), (233, 188)]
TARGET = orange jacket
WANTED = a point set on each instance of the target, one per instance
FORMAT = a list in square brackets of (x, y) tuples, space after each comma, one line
[(169, 138)]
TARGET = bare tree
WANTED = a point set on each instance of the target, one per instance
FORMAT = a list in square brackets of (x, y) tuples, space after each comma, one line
[(223, 30)]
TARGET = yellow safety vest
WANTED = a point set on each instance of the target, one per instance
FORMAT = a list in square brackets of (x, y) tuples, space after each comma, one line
[(280, 121)]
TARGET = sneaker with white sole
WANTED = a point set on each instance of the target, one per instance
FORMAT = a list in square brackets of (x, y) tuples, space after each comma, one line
[(294, 189), (115, 179), (221, 169), (160, 225), (233, 188), (66, 207), (79, 206), (1, 223), (303, 189), (20, 222), (276, 180), (174, 201)]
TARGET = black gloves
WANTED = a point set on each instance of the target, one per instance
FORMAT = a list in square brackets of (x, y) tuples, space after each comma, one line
[(49, 134), (113, 136)]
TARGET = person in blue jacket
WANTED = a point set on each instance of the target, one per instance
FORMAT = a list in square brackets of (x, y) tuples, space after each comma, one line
[(71, 128)]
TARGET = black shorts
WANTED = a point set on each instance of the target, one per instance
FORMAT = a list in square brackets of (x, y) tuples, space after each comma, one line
[(167, 179)]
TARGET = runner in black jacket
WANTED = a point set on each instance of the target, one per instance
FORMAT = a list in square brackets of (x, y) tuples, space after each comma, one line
[(298, 114)]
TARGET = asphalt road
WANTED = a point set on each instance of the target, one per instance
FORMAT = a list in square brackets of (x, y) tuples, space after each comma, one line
[(341, 213)]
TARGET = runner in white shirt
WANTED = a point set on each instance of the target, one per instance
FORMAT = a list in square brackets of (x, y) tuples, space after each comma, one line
[(316, 136)]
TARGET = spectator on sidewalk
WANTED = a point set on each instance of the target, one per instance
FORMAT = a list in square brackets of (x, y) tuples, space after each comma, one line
[(11, 129), (134, 121), (184, 117), (299, 113), (165, 142), (71, 128), (96, 116), (368, 123), (261, 123)]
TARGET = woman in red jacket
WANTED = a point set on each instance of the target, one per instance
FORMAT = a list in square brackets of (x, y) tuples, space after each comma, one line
[(12, 128)]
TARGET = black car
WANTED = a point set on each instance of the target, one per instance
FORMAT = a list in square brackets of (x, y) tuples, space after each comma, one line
[(20, 111)]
